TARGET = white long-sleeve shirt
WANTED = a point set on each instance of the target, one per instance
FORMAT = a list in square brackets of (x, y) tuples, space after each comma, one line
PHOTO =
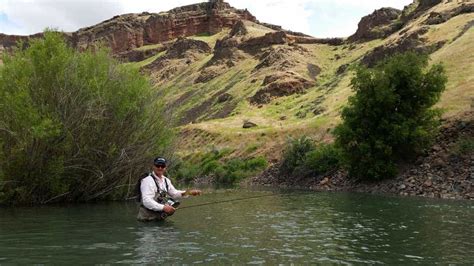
[(149, 191)]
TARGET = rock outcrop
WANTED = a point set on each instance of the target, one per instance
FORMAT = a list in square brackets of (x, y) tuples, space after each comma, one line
[(129, 31), (181, 53), (279, 85), (379, 24), (441, 17), (412, 41), (239, 44), (7, 42), (139, 55), (125, 32)]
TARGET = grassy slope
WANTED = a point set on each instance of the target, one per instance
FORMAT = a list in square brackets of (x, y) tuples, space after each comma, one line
[(458, 58), (272, 132)]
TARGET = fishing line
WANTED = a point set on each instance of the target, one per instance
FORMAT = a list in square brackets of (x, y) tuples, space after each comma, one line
[(225, 201)]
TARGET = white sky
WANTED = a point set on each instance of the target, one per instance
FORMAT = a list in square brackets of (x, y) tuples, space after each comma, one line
[(320, 18)]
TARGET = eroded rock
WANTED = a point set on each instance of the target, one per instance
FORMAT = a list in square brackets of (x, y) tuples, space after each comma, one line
[(379, 24), (280, 84)]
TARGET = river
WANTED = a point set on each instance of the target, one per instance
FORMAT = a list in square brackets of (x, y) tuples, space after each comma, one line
[(279, 227)]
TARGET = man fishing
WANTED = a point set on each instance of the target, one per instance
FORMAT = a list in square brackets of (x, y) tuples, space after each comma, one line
[(157, 194)]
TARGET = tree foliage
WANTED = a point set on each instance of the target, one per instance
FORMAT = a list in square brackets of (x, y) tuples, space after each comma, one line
[(73, 125), (390, 118)]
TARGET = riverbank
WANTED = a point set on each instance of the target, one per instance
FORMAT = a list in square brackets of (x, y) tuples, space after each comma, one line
[(446, 170)]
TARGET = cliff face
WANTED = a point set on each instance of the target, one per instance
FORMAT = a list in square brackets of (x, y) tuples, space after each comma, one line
[(129, 31)]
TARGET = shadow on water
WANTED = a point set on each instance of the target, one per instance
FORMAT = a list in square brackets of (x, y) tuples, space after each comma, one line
[(274, 227)]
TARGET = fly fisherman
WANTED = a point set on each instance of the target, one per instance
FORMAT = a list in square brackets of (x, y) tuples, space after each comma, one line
[(158, 196)]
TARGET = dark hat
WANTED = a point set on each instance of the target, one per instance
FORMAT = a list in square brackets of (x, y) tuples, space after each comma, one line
[(159, 161)]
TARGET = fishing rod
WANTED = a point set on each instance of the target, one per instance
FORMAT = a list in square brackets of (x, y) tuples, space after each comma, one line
[(225, 201)]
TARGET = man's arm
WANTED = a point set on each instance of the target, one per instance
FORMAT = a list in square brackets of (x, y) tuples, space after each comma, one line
[(147, 188), (173, 192)]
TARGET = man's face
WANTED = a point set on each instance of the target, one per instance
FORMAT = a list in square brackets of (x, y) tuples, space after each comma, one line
[(159, 169)]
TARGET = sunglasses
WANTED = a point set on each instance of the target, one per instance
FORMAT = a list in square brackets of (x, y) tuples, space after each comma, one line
[(160, 166)]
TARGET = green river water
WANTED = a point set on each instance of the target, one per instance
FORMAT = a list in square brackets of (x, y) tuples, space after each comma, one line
[(286, 227)]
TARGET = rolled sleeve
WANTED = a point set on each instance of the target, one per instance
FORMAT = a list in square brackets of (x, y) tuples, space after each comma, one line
[(173, 192)]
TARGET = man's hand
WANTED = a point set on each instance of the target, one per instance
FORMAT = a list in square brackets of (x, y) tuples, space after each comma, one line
[(193, 192), (168, 209)]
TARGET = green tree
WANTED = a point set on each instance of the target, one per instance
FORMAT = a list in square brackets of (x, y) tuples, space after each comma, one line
[(390, 118), (73, 126)]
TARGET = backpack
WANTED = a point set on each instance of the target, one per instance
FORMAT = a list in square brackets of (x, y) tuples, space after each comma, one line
[(138, 191)]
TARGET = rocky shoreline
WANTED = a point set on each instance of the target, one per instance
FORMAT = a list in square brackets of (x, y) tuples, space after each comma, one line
[(443, 172)]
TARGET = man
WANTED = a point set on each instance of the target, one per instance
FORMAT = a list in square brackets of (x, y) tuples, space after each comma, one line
[(154, 188)]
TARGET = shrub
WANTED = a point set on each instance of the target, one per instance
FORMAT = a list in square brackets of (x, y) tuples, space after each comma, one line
[(225, 172), (464, 146), (324, 158), (294, 154), (389, 118), (302, 158), (73, 126)]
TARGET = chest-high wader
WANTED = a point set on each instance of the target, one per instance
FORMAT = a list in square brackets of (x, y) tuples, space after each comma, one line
[(162, 198)]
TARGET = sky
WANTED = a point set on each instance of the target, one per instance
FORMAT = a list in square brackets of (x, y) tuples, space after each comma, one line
[(319, 18)]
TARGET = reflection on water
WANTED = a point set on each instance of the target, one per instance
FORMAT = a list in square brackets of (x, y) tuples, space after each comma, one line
[(286, 227)]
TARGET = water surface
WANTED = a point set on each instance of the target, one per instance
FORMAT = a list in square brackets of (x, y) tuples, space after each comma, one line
[(284, 227)]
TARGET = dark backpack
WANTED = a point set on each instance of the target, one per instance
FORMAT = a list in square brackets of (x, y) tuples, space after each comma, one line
[(138, 191)]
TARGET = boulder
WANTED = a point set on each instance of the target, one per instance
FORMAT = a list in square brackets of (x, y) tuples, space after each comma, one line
[(224, 97), (313, 70), (248, 124)]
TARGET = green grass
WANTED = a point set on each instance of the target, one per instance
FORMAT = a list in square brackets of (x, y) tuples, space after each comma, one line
[(149, 47), (336, 89), (464, 146)]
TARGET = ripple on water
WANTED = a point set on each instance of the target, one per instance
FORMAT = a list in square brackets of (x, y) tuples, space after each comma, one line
[(302, 229)]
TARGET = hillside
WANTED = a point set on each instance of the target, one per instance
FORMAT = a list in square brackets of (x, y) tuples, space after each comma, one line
[(219, 67)]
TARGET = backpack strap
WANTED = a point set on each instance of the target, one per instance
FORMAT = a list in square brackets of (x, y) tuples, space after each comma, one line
[(153, 177), (157, 186), (166, 183)]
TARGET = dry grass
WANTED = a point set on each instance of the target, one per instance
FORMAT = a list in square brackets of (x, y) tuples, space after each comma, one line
[(458, 58)]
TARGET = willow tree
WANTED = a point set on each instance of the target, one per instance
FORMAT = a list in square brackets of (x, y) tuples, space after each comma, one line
[(74, 126)]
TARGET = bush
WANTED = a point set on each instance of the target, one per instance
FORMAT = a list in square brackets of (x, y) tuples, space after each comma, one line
[(302, 158), (73, 126), (294, 154), (225, 172), (389, 118), (324, 158), (464, 146)]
